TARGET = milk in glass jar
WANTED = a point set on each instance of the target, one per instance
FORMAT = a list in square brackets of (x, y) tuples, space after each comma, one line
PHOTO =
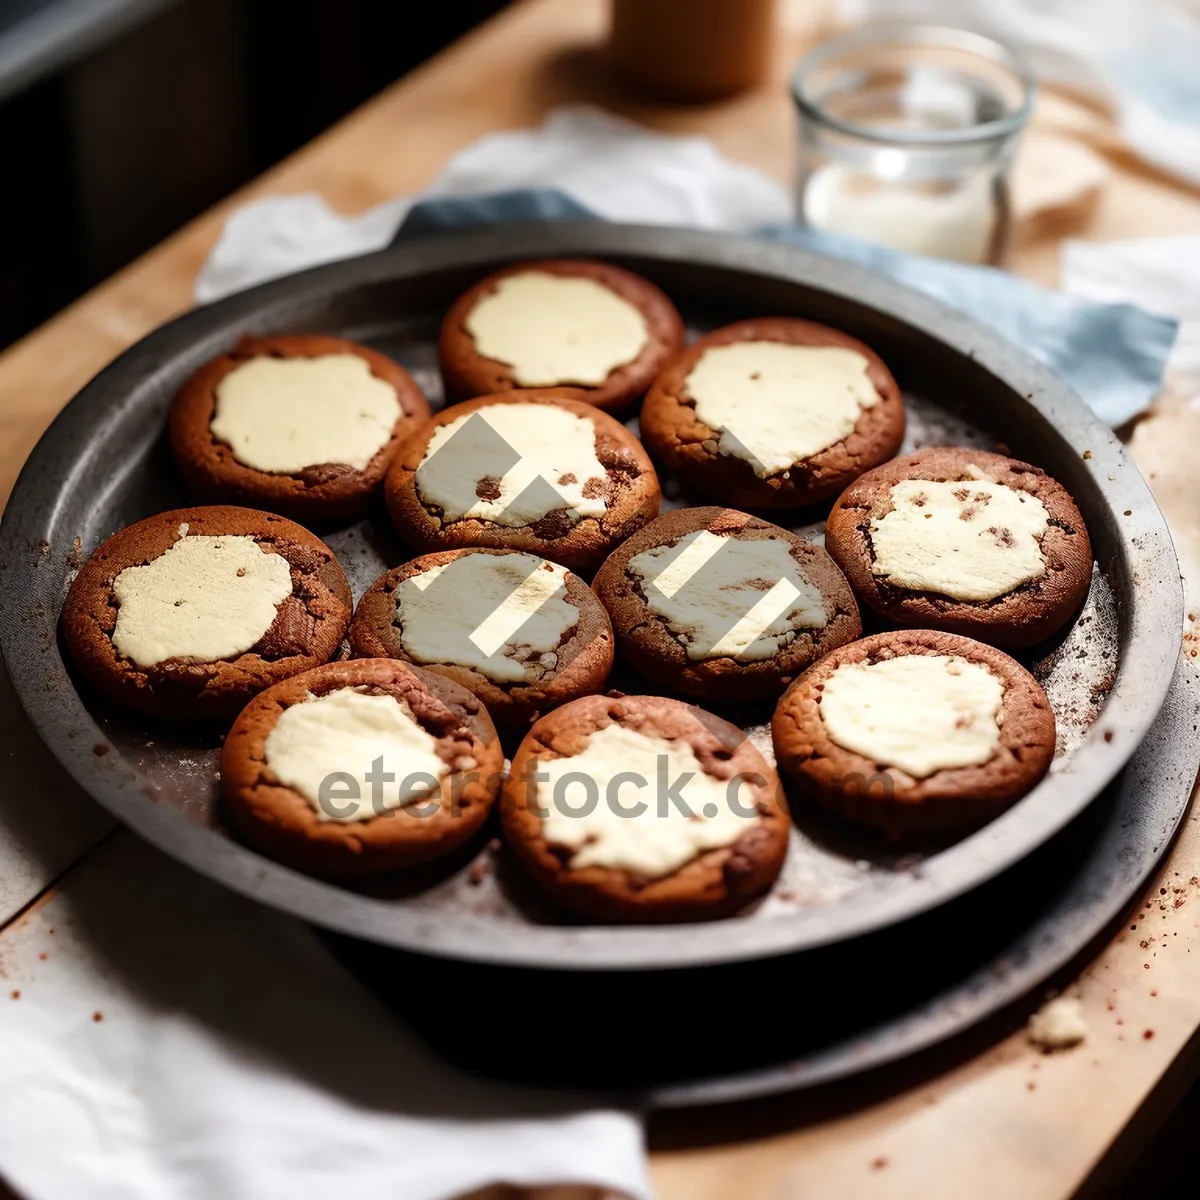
[(907, 132)]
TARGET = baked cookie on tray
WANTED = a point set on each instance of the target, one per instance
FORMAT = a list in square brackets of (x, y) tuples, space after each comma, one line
[(526, 471), (589, 330), (522, 633), (964, 541), (773, 413), (362, 766), (915, 729), (188, 614), (713, 602), (302, 424), (640, 808)]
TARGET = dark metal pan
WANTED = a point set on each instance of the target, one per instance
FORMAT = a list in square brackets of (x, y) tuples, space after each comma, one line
[(103, 464)]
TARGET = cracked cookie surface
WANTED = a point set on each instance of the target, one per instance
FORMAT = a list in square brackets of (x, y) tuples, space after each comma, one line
[(657, 638), (468, 373), (290, 827), (1043, 597), (696, 880), (575, 518), (317, 492), (540, 677), (715, 463), (865, 789), (306, 630)]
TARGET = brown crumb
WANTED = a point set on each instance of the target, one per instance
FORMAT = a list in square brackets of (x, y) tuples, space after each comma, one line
[(16, 993), (1087, 454), (477, 873), (97, 1016), (1031, 1086), (488, 488), (878, 1164), (1148, 1034), (43, 956)]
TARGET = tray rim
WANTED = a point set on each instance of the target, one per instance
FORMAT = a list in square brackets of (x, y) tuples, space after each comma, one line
[(1150, 642)]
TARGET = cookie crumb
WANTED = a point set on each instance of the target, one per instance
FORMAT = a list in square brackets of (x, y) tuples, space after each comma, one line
[(1057, 1025), (97, 1016)]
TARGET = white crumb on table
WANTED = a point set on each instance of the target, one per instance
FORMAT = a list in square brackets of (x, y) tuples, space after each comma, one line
[(1058, 1025)]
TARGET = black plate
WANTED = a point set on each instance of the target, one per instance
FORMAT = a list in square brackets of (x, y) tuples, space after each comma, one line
[(103, 464)]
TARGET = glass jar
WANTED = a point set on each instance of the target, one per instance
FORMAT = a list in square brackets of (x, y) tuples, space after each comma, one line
[(907, 132)]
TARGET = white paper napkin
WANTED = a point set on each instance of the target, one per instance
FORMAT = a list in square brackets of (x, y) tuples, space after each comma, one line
[(619, 170), (163, 1039)]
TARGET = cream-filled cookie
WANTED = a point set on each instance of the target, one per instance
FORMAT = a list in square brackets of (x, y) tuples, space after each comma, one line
[(965, 541), (188, 614), (522, 633), (305, 425), (362, 766), (773, 413), (915, 730), (523, 471), (588, 330), (641, 808), (713, 602)]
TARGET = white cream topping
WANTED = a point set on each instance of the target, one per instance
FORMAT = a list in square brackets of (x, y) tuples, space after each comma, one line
[(206, 598), (662, 838), (919, 712), (346, 731), (557, 459), (557, 329), (285, 414), (728, 597), (775, 405), (490, 612), (970, 540)]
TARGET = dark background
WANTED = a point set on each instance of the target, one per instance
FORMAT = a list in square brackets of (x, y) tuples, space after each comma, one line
[(114, 134)]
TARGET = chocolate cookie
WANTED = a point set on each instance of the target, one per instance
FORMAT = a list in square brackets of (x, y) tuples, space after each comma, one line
[(523, 471), (640, 808), (303, 425), (589, 331), (915, 730), (712, 602), (188, 614), (522, 633), (965, 541), (358, 767), (773, 413)]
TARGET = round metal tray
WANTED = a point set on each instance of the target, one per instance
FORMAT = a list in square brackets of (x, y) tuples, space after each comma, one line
[(104, 463)]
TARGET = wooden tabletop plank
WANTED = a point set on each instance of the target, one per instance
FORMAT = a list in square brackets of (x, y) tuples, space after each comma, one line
[(1009, 1122)]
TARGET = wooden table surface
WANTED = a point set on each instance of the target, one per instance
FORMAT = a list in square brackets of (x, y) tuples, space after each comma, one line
[(1007, 1122)]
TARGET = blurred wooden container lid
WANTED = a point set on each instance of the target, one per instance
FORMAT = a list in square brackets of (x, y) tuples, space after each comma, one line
[(692, 50)]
